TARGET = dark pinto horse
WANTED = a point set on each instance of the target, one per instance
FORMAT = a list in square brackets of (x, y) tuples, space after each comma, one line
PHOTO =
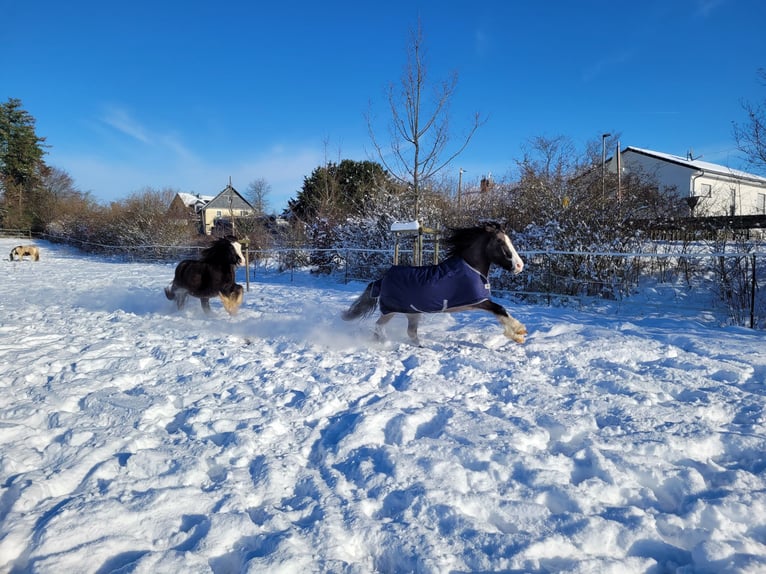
[(212, 275), (457, 284)]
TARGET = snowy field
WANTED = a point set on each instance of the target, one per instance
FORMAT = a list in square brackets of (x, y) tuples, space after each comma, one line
[(134, 438)]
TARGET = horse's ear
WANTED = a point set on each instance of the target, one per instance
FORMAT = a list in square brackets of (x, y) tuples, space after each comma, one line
[(492, 226)]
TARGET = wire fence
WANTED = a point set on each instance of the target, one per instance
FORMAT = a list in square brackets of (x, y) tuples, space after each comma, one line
[(723, 284), (671, 278), (673, 281)]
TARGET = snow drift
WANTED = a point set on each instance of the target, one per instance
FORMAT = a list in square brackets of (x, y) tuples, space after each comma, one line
[(134, 438)]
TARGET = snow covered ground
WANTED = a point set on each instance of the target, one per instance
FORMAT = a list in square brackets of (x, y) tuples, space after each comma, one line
[(134, 438)]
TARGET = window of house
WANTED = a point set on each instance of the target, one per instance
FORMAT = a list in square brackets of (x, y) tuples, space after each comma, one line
[(732, 201), (761, 207), (218, 213), (706, 190)]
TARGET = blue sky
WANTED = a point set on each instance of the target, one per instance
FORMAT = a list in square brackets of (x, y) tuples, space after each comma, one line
[(187, 94)]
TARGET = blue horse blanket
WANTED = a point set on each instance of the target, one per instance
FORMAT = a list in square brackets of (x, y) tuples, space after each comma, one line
[(431, 288)]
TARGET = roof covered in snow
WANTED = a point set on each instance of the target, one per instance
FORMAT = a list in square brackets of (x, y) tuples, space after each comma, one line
[(191, 199), (696, 164), (412, 226)]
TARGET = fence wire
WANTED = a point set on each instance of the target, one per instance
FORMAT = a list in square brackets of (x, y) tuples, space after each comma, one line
[(725, 282), (691, 279)]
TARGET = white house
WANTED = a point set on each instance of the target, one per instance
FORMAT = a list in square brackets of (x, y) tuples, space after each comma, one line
[(710, 189)]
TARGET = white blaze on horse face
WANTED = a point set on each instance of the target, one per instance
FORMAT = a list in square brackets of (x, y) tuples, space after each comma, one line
[(238, 248), (516, 262)]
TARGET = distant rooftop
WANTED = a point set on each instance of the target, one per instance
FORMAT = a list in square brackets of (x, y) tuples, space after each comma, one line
[(697, 164), (191, 199)]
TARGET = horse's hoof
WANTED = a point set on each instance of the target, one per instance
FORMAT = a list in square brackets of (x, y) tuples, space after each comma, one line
[(518, 335)]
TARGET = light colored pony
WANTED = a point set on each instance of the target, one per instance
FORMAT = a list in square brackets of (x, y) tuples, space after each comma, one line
[(25, 250)]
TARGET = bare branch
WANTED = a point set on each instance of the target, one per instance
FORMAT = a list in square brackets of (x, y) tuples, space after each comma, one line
[(751, 137), (419, 129)]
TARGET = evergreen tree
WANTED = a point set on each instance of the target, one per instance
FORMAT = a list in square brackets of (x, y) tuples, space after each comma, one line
[(336, 191), (21, 168)]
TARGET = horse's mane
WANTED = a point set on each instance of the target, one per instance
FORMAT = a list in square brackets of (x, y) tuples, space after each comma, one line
[(221, 251), (461, 238)]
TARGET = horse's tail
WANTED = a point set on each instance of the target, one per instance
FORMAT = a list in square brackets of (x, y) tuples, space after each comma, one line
[(365, 304)]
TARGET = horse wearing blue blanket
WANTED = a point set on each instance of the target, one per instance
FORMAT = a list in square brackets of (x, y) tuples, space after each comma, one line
[(457, 284)]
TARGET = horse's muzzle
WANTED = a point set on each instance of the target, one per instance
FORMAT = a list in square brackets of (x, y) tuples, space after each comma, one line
[(515, 265)]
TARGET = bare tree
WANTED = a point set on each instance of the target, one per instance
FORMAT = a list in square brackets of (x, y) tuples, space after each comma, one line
[(751, 136), (258, 190), (419, 131), (59, 191)]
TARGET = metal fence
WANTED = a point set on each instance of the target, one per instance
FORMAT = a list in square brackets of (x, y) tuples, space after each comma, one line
[(723, 283), (703, 281), (673, 278)]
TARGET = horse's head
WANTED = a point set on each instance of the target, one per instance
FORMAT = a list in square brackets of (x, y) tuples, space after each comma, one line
[(237, 249), (226, 250), (500, 250), (484, 245)]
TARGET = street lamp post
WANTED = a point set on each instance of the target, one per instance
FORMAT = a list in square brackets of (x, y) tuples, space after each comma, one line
[(459, 191), (603, 166)]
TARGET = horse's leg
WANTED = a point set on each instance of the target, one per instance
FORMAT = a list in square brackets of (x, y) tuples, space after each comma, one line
[(514, 329), (412, 327), (380, 330), (233, 299), (205, 302), (180, 295)]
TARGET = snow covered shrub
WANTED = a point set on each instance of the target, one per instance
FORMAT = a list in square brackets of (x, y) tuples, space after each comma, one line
[(737, 278), (577, 258), (367, 245)]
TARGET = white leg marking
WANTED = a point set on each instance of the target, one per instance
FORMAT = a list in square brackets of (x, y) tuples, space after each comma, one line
[(514, 329), (380, 332)]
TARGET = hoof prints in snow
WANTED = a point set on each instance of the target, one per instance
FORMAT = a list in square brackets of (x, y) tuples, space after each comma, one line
[(133, 437)]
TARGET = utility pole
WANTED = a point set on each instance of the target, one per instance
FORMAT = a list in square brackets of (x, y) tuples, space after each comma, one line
[(603, 167), (459, 192), (231, 208)]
